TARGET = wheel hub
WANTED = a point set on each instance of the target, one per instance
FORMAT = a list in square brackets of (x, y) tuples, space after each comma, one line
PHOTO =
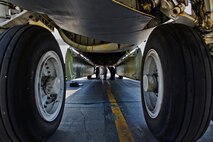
[(150, 83), (49, 86), (52, 86), (153, 83)]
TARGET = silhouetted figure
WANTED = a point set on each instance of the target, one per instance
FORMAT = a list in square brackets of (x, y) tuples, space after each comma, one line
[(105, 72), (97, 72), (112, 72)]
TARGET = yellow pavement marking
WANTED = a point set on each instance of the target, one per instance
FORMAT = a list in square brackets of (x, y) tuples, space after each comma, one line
[(123, 130)]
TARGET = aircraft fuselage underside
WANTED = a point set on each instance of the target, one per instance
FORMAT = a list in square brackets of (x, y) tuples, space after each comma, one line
[(101, 19)]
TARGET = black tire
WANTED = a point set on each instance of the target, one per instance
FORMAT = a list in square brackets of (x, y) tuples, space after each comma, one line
[(21, 49), (3, 134), (212, 91), (186, 108)]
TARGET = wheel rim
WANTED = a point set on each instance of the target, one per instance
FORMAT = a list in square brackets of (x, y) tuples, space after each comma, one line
[(49, 86), (153, 83)]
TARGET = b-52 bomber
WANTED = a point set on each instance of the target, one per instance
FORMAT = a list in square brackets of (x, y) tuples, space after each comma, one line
[(175, 67)]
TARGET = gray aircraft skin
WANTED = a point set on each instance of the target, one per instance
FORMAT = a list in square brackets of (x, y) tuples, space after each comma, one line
[(101, 19)]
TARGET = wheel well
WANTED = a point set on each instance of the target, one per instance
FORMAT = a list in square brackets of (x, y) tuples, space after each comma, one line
[(104, 58)]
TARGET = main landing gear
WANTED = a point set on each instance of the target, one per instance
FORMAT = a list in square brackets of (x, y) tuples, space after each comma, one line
[(177, 84), (32, 84)]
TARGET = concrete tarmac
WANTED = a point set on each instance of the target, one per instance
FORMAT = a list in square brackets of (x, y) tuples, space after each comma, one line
[(106, 111)]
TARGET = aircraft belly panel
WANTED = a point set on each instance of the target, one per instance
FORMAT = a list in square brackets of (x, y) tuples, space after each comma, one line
[(101, 19)]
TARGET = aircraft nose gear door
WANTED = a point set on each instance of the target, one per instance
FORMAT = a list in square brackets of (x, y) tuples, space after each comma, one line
[(32, 84)]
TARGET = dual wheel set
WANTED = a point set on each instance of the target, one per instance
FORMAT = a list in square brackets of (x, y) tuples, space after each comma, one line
[(32, 84), (176, 84)]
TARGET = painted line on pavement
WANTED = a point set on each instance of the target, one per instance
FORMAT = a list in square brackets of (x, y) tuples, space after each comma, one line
[(124, 133)]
